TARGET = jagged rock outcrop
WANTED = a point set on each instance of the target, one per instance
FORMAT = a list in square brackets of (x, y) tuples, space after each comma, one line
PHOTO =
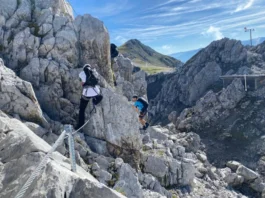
[(177, 158), (129, 83), (201, 74), (115, 121), (241, 174), (17, 97), (155, 83), (17, 164), (128, 182), (210, 108), (44, 45), (230, 121)]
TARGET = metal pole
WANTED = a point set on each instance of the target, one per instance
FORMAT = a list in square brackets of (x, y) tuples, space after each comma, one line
[(250, 34), (69, 131), (251, 37), (245, 77)]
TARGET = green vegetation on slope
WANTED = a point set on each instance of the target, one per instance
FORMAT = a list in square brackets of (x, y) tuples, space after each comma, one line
[(155, 69)]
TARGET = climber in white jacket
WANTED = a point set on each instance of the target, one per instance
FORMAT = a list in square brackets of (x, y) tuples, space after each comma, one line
[(91, 90)]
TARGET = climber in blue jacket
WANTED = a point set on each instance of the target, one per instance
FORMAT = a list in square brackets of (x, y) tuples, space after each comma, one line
[(141, 105)]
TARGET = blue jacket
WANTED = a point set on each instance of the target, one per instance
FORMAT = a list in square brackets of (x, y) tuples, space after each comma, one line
[(139, 105)]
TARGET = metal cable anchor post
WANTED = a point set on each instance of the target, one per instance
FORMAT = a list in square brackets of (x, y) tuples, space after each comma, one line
[(69, 131)]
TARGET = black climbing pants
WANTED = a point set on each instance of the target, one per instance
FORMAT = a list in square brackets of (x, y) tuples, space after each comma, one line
[(82, 109)]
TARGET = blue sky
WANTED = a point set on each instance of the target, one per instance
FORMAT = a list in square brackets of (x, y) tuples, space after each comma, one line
[(171, 26)]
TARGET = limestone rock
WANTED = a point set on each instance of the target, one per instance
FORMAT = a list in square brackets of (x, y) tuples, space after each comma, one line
[(169, 171), (258, 185), (248, 174), (128, 183), (95, 44), (233, 165), (157, 132), (202, 157), (115, 122), (150, 194), (37, 129), (210, 107), (129, 83), (150, 182), (234, 179), (118, 163), (17, 96), (97, 146), (45, 44), (18, 164), (200, 74)]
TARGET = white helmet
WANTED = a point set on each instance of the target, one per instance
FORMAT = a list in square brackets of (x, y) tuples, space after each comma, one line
[(87, 65)]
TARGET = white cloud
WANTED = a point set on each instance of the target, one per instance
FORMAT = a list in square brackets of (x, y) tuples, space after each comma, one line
[(168, 49), (120, 39), (181, 10), (244, 6), (215, 32), (163, 4)]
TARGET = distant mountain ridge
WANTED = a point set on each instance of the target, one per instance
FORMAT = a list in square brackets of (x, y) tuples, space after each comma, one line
[(185, 56), (143, 55), (255, 41)]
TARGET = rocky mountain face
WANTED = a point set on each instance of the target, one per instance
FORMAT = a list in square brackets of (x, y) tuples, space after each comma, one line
[(202, 73), (166, 159), (229, 120), (141, 54), (22, 150), (43, 44), (43, 49), (185, 56), (130, 80)]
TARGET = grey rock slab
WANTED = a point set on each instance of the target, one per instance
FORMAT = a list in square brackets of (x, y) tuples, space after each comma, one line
[(233, 165), (150, 194), (17, 96), (24, 153), (115, 122), (234, 180), (98, 146), (157, 132), (128, 183), (118, 163), (202, 157), (258, 185), (248, 174)]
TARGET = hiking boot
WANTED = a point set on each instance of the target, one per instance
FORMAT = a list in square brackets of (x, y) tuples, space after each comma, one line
[(146, 126)]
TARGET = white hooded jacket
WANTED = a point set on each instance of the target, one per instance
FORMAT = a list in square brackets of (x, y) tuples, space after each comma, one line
[(89, 91)]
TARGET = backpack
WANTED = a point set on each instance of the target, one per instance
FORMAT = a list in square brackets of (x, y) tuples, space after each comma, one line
[(144, 102), (113, 50), (91, 79)]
